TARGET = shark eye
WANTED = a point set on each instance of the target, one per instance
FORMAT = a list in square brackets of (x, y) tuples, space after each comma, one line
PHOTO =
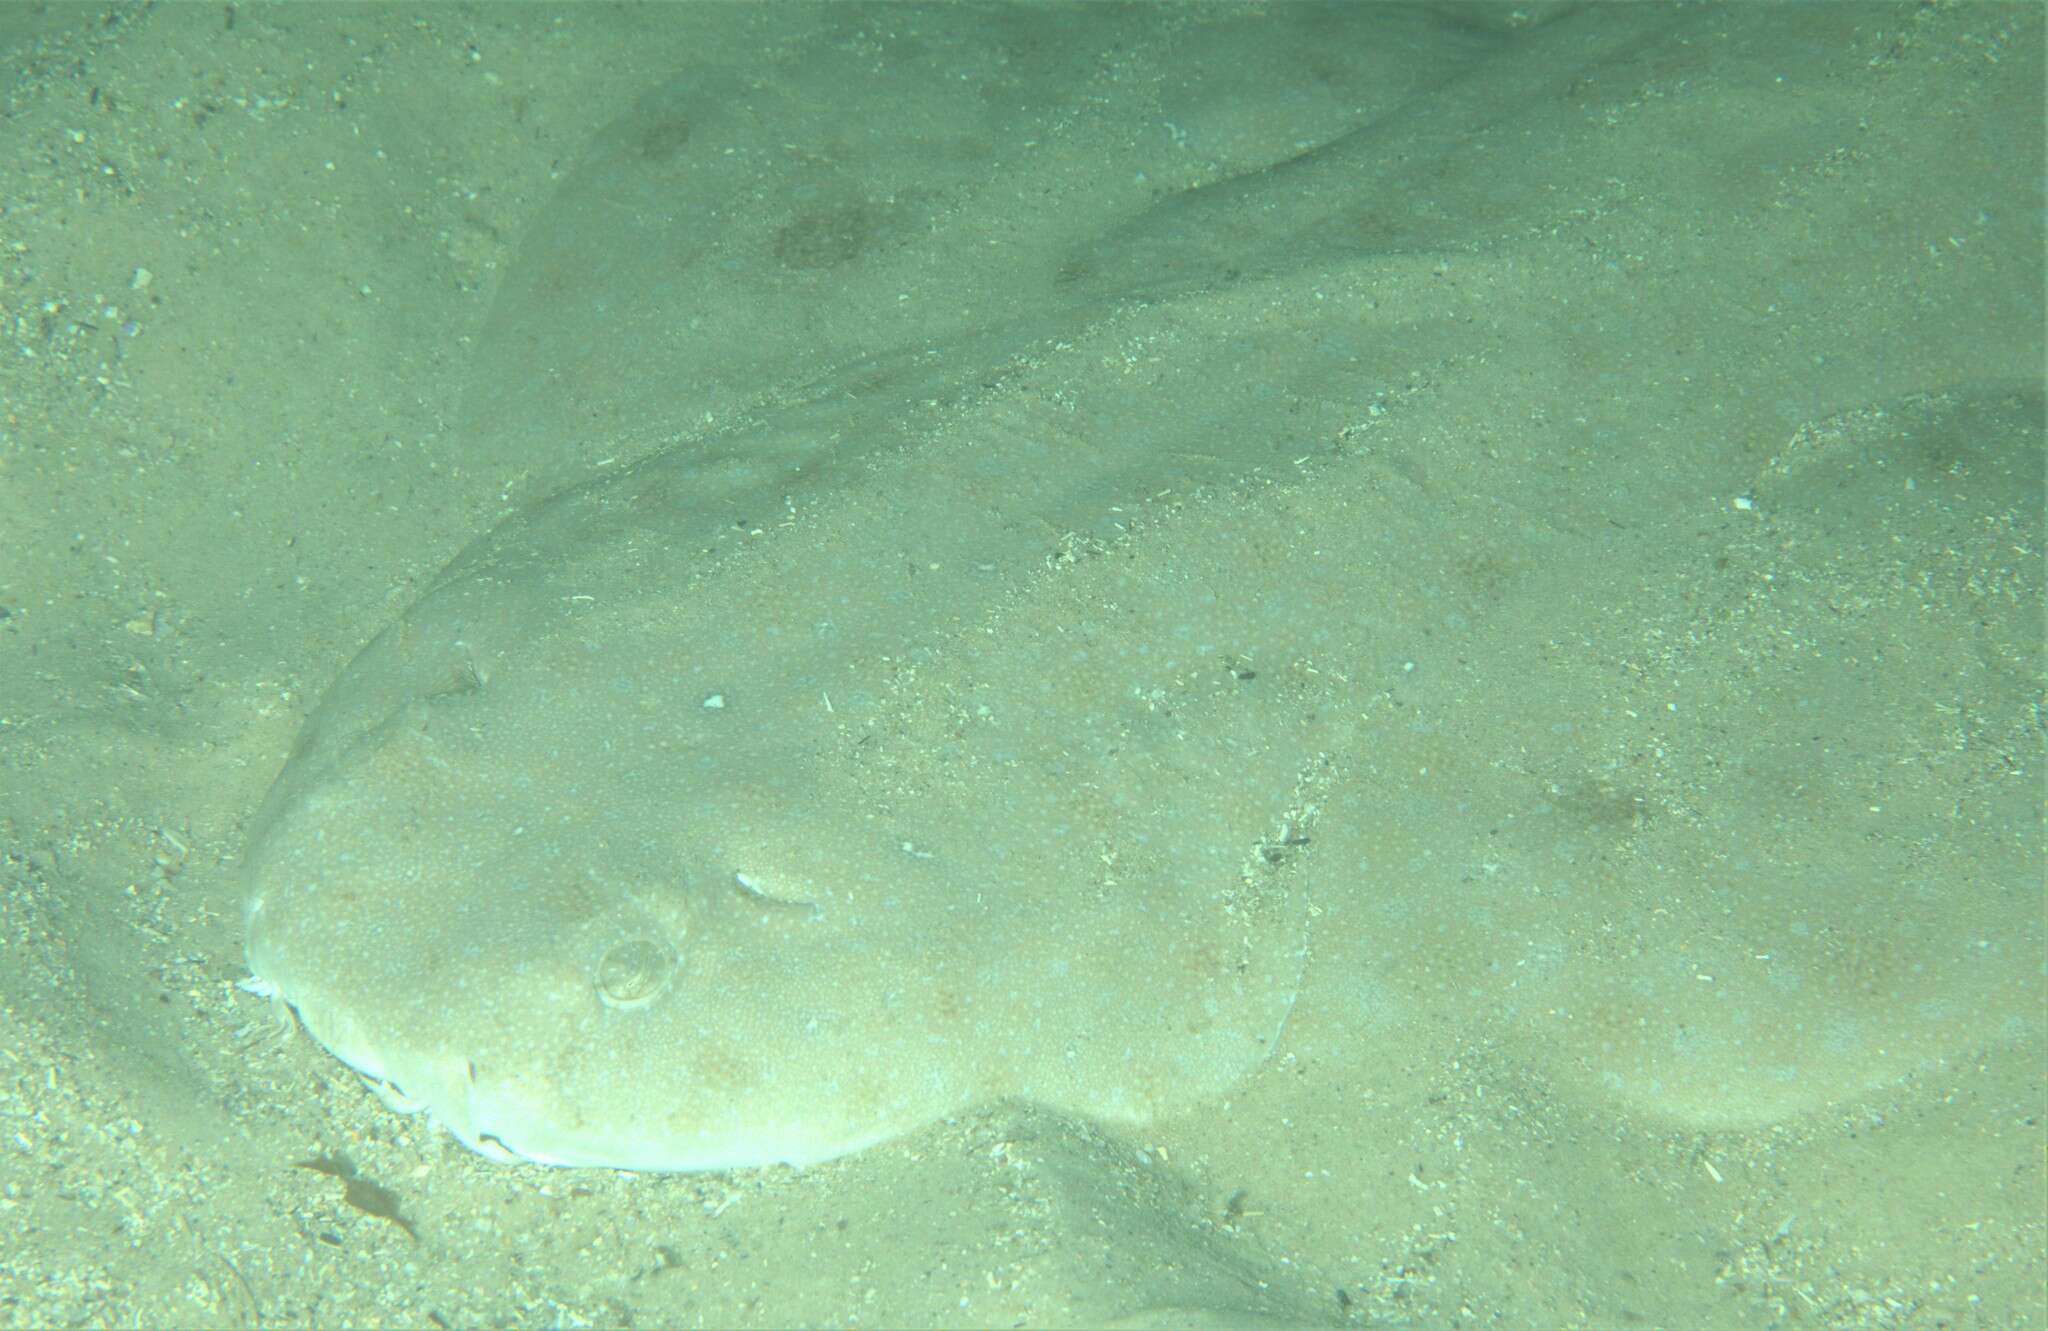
[(630, 974)]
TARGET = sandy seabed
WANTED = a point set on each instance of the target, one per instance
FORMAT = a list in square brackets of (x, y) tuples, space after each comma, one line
[(245, 252)]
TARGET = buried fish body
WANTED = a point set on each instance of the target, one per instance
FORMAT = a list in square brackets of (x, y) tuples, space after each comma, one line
[(986, 608)]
